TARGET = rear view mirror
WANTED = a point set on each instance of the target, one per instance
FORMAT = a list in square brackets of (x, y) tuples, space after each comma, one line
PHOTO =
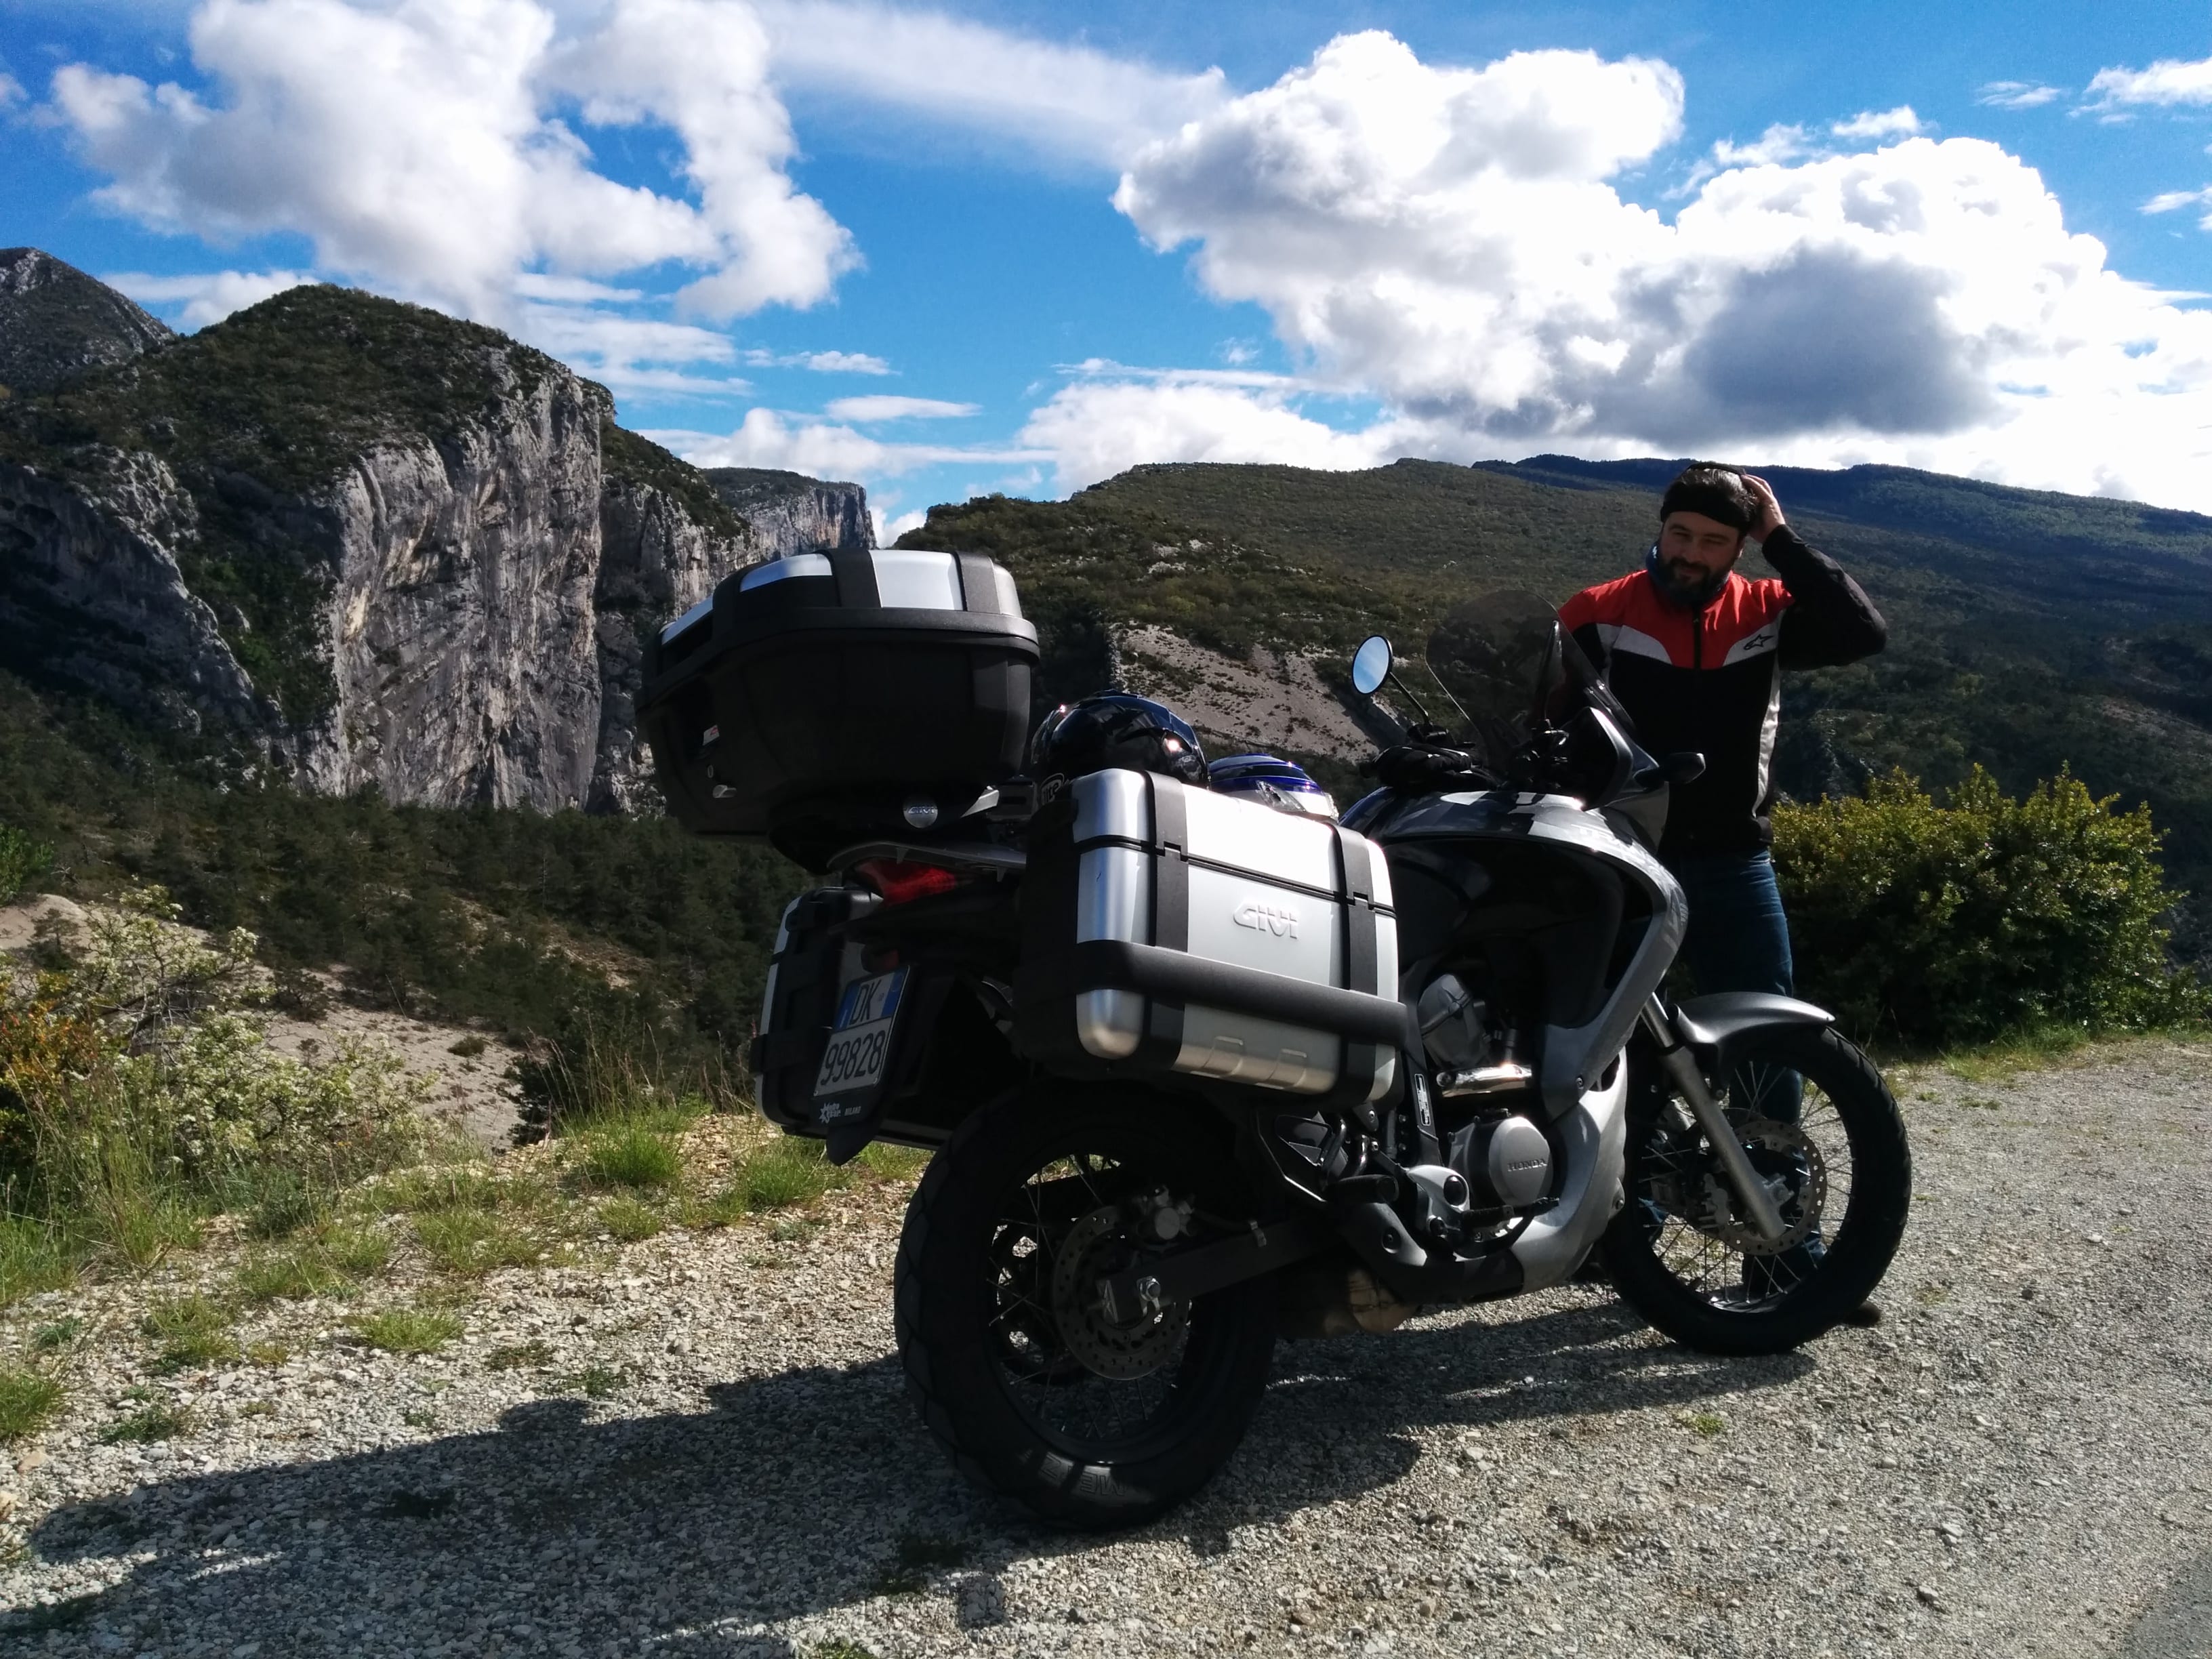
[(1371, 664)]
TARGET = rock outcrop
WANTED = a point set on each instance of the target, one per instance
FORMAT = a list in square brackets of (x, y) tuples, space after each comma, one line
[(56, 323), (91, 592), (657, 560), (792, 513), (433, 577)]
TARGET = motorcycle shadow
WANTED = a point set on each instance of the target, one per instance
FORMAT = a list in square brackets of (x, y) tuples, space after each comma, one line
[(794, 1493)]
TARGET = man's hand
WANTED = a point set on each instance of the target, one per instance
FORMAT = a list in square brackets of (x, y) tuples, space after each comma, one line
[(1770, 510)]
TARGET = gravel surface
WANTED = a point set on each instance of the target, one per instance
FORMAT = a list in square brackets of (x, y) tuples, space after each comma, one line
[(709, 1452)]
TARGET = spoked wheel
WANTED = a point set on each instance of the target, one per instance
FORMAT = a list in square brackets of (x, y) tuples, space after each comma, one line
[(1038, 1393), (1823, 1131)]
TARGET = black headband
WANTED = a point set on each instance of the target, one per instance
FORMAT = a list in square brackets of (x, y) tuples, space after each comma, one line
[(1731, 506)]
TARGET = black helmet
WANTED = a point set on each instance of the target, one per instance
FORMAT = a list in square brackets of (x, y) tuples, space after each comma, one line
[(1110, 729)]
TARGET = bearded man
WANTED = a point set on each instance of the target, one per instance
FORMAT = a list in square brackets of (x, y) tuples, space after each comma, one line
[(1695, 653)]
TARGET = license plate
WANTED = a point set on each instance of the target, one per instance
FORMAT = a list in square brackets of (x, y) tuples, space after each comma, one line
[(861, 1038)]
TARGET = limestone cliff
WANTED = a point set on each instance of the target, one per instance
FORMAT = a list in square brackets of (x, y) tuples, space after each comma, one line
[(792, 513), (379, 546)]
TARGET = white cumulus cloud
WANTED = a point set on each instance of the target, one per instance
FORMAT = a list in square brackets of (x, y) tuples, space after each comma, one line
[(2169, 81), (1899, 122), (885, 407), (207, 297), (2018, 95), (824, 448), (424, 146), (1072, 102), (1097, 428), (1453, 242), (2169, 201), (819, 363)]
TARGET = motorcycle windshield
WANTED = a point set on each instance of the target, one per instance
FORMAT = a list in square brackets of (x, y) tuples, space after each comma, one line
[(1513, 670)]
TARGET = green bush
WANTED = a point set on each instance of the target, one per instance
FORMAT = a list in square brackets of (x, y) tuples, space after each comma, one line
[(1935, 925), (22, 861)]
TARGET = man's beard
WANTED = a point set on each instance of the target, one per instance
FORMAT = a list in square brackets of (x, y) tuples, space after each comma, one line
[(1686, 583)]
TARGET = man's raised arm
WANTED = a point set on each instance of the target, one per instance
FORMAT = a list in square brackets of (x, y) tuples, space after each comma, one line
[(1831, 621)]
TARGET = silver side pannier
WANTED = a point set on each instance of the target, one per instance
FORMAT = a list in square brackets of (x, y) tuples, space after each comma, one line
[(1165, 929)]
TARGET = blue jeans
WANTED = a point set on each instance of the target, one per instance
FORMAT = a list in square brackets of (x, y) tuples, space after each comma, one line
[(1739, 940)]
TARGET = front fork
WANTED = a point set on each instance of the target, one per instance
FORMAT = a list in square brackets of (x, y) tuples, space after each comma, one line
[(1682, 1066)]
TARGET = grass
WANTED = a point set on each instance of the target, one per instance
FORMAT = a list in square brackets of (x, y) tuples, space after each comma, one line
[(784, 1174), (158, 1421), (724, 1207), (271, 1354), (356, 1251), (469, 1047), (1706, 1425), (194, 1331), (145, 1227), (476, 1241), (27, 1400), (49, 1339), (630, 1219), (409, 1330), (630, 1155), (34, 1255), (330, 1263), (286, 1203), (2006, 1057), (840, 1646), (891, 1162), (468, 1220), (519, 1356), (469, 1186), (594, 1382), (288, 1276)]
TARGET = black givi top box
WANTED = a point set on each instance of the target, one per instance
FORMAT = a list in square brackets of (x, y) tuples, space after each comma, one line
[(815, 697)]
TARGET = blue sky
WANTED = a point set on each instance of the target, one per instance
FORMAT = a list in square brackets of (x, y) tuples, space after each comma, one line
[(1020, 246)]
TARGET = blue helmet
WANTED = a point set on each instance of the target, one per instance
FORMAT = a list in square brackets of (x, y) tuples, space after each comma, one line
[(1280, 784)]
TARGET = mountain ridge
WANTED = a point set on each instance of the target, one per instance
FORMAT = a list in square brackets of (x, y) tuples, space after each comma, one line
[(376, 544)]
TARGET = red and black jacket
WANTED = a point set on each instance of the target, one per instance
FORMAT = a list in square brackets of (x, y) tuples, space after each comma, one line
[(1711, 680)]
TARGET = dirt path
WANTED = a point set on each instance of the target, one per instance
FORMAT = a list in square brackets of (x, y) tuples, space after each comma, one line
[(2019, 1461)]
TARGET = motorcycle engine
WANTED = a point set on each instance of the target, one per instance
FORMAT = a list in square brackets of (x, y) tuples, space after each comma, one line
[(1506, 1162)]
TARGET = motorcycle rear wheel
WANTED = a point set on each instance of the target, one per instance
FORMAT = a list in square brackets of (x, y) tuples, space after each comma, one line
[(1077, 1423), (1676, 1253)]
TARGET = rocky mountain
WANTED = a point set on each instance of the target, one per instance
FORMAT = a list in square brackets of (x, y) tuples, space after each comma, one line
[(56, 323), (379, 546)]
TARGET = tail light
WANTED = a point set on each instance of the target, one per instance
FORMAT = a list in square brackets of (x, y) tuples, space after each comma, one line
[(901, 881)]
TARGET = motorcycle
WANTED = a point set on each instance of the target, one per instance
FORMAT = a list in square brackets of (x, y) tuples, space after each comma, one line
[(1097, 1263)]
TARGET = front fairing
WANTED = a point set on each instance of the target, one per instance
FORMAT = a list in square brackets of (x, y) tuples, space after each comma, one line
[(1571, 1056)]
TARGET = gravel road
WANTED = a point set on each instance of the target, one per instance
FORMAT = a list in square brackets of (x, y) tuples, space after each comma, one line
[(2015, 1462)]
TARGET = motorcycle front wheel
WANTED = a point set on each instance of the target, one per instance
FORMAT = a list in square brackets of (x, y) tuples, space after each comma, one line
[(1822, 1128), (1038, 1396)]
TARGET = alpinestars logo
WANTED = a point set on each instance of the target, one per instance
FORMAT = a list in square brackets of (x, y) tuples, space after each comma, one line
[(1278, 920)]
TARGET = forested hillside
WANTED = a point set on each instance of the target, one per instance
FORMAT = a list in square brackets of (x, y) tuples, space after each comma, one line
[(2030, 632)]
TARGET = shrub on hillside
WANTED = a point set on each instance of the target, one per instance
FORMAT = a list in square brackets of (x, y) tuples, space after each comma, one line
[(1940, 924), (139, 1076), (22, 861)]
